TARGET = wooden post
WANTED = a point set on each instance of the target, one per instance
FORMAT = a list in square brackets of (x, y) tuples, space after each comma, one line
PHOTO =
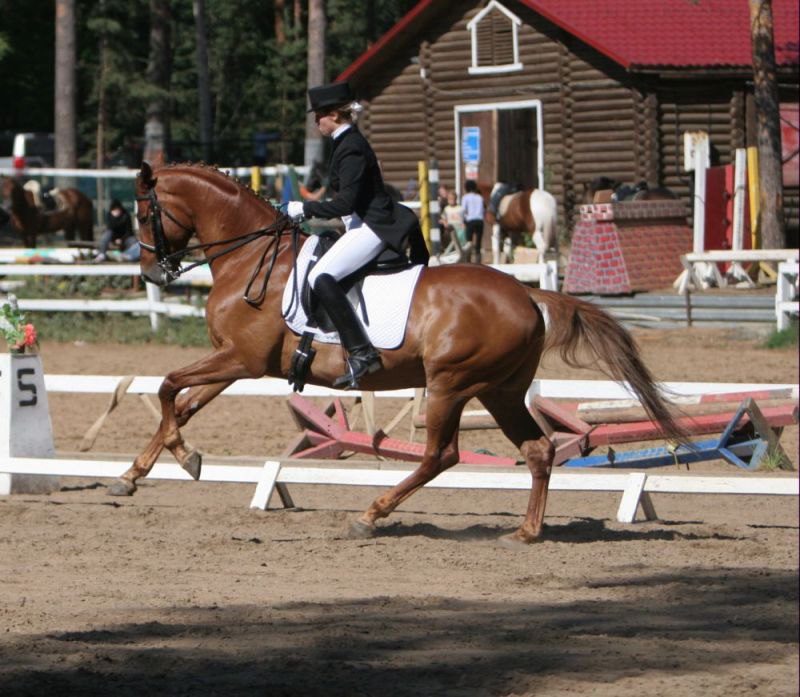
[(433, 207), (424, 217), (255, 179)]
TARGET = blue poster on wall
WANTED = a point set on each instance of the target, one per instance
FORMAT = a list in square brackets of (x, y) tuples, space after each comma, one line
[(471, 144)]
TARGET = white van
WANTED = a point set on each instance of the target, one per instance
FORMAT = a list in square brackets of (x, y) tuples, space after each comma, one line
[(27, 150)]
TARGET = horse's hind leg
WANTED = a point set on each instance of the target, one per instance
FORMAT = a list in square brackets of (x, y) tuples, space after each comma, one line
[(441, 452), (515, 420), (186, 406)]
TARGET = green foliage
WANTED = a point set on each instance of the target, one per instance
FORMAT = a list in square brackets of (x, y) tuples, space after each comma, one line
[(110, 69), (775, 460), (26, 66), (785, 338), (86, 287), (105, 326), (96, 327), (354, 25), (255, 83)]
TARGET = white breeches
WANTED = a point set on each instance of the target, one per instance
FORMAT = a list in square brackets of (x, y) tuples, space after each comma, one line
[(357, 247)]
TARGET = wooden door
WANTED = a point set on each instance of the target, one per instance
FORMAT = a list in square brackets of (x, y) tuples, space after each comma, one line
[(517, 147)]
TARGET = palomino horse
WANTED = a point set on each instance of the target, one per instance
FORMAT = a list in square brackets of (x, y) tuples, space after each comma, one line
[(473, 332), (533, 212), (606, 190), (76, 214)]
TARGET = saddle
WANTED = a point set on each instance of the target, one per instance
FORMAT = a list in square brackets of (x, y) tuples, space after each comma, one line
[(388, 261), (499, 193), (625, 192), (380, 293)]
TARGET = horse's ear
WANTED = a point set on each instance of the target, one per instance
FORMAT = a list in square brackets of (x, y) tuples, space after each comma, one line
[(146, 175)]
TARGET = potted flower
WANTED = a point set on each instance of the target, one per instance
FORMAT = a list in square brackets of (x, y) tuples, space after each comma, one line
[(20, 335)]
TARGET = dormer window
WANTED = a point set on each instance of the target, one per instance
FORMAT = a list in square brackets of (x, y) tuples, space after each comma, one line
[(495, 42)]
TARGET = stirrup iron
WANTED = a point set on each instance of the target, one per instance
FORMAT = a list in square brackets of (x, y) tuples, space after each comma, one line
[(358, 364)]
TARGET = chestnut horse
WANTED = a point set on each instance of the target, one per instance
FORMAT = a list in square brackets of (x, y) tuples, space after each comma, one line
[(473, 332), (76, 213), (533, 212)]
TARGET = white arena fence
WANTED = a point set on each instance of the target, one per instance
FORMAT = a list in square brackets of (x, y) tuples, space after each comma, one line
[(155, 305), (102, 186), (635, 487)]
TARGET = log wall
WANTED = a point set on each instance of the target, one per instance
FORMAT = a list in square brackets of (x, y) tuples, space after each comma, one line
[(598, 118)]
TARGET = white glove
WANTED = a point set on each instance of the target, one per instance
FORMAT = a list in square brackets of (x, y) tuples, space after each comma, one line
[(294, 209)]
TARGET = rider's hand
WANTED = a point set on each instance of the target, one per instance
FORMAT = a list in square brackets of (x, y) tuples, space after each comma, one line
[(294, 209)]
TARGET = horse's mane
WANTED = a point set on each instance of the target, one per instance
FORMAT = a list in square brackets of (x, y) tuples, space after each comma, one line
[(214, 171)]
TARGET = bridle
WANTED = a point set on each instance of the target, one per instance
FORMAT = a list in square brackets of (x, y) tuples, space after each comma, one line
[(170, 262)]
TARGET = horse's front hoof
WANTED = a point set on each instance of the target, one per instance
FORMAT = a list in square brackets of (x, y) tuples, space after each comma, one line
[(193, 464), (121, 487), (518, 540), (360, 530)]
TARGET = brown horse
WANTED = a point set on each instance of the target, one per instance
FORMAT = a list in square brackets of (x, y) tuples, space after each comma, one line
[(76, 214), (607, 190), (533, 212), (473, 332)]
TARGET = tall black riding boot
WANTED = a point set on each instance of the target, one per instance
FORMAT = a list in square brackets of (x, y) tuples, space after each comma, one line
[(362, 358)]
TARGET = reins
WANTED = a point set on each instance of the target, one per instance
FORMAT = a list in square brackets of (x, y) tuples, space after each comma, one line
[(170, 261)]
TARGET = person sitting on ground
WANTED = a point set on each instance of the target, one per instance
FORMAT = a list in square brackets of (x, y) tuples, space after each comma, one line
[(118, 233)]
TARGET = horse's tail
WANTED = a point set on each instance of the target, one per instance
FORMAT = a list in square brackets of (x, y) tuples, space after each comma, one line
[(579, 327), (544, 209)]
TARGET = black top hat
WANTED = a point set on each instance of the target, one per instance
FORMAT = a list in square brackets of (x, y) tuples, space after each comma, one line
[(332, 95)]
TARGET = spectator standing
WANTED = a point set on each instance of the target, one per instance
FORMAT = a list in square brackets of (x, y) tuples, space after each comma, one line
[(472, 203)]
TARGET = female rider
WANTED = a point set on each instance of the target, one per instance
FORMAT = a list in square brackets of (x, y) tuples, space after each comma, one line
[(373, 223)]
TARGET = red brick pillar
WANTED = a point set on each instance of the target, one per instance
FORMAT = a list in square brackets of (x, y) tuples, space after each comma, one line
[(627, 247)]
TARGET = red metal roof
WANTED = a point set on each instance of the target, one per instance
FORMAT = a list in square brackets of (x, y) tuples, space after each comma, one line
[(678, 33), (640, 33)]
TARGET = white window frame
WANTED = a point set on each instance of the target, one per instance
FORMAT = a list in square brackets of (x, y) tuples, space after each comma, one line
[(472, 26), (497, 106)]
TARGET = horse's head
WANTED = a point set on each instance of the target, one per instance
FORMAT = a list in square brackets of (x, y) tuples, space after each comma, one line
[(164, 230), (7, 188)]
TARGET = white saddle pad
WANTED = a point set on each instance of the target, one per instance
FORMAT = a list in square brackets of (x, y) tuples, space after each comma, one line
[(386, 303)]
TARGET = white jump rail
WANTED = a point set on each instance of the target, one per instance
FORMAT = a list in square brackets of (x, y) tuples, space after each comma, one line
[(635, 487)]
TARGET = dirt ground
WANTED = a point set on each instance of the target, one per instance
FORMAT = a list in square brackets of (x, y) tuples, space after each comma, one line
[(182, 590)]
